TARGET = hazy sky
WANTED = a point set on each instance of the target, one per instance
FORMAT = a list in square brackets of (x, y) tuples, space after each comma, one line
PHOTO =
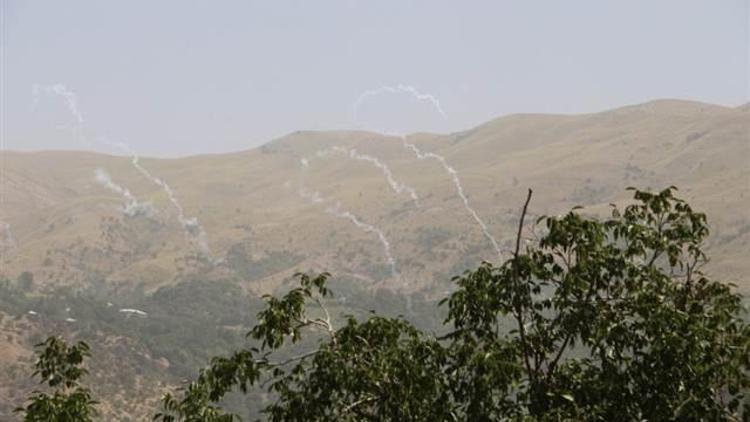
[(182, 77)]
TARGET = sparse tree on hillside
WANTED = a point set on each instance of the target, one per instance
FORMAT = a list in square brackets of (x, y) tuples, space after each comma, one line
[(60, 367), (599, 320)]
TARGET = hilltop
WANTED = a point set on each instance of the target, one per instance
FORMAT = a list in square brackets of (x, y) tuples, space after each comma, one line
[(249, 204), (74, 256)]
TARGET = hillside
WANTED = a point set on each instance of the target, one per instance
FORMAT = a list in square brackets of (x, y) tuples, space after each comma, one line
[(249, 204), (266, 215)]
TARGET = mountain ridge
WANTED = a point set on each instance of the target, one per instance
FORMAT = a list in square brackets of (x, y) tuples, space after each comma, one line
[(80, 251), (655, 103), (645, 144)]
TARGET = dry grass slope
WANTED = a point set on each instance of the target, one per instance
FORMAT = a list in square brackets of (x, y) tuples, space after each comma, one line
[(68, 230)]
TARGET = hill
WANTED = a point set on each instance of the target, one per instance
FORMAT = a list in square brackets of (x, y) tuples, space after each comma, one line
[(249, 205), (343, 201)]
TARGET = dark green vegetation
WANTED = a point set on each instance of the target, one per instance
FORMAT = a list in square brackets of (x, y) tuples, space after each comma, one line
[(186, 324), (59, 366), (597, 320)]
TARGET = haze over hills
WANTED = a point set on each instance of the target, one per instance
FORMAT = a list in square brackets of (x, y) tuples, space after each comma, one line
[(343, 201), (250, 200)]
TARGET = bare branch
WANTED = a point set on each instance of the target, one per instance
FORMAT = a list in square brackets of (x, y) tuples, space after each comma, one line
[(520, 225), (518, 310), (353, 405), (329, 325)]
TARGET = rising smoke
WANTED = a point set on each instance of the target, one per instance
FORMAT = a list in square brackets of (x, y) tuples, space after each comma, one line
[(132, 207), (459, 189), (70, 101), (60, 90), (353, 154), (316, 198), (401, 88), (194, 232), (398, 89)]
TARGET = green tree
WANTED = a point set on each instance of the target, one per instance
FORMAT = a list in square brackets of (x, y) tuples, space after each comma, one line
[(605, 320), (614, 320), (60, 367)]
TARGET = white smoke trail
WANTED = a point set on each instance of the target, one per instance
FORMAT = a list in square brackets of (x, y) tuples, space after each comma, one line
[(104, 179), (316, 198), (194, 232), (70, 100), (353, 154), (7, 241), (132, 206), (62, 91), (398, 89), (367, 228), (459, 189)]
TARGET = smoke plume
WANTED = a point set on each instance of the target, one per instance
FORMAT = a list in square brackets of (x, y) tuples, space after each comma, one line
[(459, 189), (398, 89), (316, 198), (70, 101), (62, 91), (353, 154), (132, 207), (194, 232)]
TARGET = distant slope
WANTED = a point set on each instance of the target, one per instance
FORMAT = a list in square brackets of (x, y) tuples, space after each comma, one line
[(67, 228), (88, 258)]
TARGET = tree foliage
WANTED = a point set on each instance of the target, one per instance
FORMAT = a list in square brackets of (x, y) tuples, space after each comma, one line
[(614, 321), (596, 319), (611, 319), (59, 366)]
